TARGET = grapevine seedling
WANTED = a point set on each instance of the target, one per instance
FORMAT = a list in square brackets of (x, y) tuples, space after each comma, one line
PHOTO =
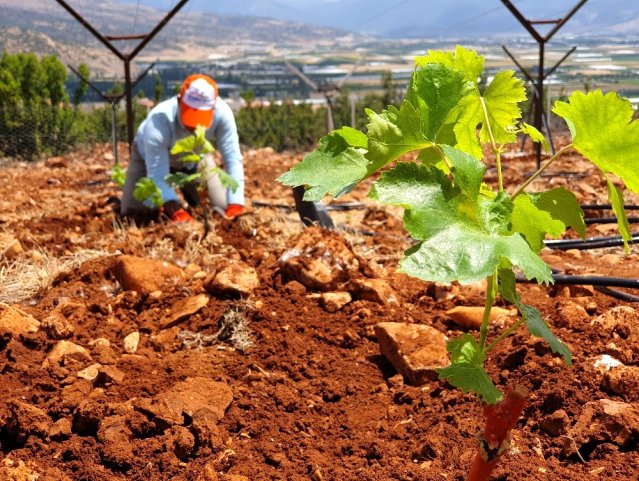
[(465, 230), (192, 150), (118, 175)]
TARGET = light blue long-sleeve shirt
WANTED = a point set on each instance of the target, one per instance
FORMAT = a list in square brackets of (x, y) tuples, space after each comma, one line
[(162, 128)]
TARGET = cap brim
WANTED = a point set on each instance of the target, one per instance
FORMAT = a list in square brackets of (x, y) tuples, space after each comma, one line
[(191, 118)]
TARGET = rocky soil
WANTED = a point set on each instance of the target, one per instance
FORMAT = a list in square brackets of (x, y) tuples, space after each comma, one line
[(265, 351)]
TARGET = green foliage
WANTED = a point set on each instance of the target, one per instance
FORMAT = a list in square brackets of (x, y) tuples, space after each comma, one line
[(147, 189), (118, 175), (35, 118), (82, 87), (464, 230)]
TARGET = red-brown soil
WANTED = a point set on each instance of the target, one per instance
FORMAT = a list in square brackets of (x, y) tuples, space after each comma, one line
[(313, 399)]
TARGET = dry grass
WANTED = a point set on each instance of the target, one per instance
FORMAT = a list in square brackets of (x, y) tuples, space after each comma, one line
[(22, 279)]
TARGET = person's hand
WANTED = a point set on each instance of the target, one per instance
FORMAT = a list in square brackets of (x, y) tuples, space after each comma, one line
[(182, 216), (234, 210)]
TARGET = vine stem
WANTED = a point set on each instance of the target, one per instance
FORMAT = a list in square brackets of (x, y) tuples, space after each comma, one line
[(493, 145), (505, 334), (540, 171), (491, 291), (441, 154)]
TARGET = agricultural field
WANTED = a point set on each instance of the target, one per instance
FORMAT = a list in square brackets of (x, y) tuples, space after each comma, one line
[(254, 352)]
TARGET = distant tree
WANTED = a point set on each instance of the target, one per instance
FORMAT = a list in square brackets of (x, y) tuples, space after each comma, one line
[(82, 88), (159, 88), (35, 118)]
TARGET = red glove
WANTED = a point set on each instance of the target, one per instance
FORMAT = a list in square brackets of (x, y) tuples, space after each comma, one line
[(182, 216), (234, 210)]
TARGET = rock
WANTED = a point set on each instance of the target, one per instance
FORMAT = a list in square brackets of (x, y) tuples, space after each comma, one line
[(57, 326), (620, 321), (63, 352), (237, 278), (556, 423), (415, 350), (624, 381), (470, 317), (146, 275), (159, 412), (198, 395), (319, 259), (109, 375), (183, 309), (131, 342), (17, 471), (374, 290), (577, 291), (334, 301), (100, 342), (570, 314), (60, 430), (90, 373), (16, 322), (605, 362), (10, 247), (603, 421)]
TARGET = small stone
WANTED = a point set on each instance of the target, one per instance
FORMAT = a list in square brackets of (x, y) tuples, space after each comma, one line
[(184, 309), (90, 373), (374, 290), (415, 350), (556, 423), (237, 278), (100, 342), (108, 375), (64, 351), (146, 275), (15, 321), (131, 342), (470, 317), (60, 430), (624, 381), (334, 301)]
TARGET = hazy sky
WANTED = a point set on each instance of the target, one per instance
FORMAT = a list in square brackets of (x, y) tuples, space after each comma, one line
[(435, 17)]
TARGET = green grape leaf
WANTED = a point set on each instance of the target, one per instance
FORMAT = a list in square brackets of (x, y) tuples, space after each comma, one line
[(461, 233), (225, 179), (118, 175), (468, 62), (335, 167), (193, 147), (615, 196), (562, 205), (534, 134), (146, 189), (436, 91), (501, 99), (354, 137), (604, 132), (466, 370), (179, 179), (534, 223), (508, 284), (539, 328), (393, 133)]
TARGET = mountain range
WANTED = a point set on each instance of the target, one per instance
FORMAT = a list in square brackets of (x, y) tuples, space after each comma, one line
[(430, 18)]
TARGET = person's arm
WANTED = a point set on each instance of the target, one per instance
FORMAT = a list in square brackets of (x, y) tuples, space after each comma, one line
[(228, 143)]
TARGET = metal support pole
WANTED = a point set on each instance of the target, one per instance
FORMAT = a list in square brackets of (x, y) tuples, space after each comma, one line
[(106, 40), (541, 74), (114, 133)]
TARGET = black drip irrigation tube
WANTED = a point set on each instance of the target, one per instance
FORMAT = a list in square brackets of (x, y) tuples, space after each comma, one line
[(342, 206), (601, 284), (591, 243)]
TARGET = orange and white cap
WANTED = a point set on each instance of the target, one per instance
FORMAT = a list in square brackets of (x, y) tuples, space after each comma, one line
[(197, 98)]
